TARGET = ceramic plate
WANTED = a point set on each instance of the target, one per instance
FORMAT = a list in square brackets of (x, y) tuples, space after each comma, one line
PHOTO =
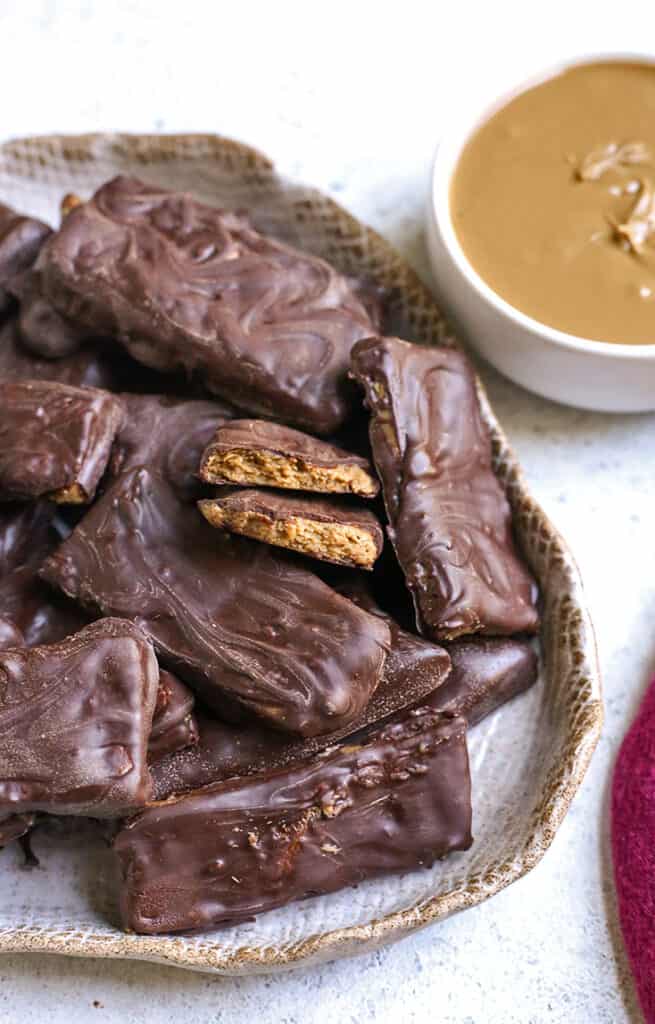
[(527, 760)]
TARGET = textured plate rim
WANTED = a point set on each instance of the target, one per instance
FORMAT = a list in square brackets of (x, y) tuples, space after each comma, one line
[(355, 939)]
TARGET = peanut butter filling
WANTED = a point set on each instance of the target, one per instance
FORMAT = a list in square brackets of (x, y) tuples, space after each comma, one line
[(332, 542), (553, 202), (269, 469), (73, 495)]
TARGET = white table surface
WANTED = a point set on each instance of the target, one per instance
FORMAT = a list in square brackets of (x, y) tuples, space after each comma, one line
[(350, 97)]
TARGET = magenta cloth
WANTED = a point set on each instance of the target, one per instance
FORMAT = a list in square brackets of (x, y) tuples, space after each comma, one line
[(633, 848)]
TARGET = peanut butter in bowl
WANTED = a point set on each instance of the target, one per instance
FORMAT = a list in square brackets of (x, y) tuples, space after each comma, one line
[(552, 201)]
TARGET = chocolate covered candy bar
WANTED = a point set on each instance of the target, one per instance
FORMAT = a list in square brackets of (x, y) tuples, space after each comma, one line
[(414, 669), (74, 723), (486, 672), (399, 801), (55, 440), (182, 284), (87, 368), (174, 726), (318, 527), (450, 522), (250, 630), (21, 239), (265, 454), (167, 435)]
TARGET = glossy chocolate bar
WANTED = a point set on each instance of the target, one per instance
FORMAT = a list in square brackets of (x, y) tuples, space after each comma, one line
[(450, 521), (399, 801), (74, 723), (55, 440), (250, 630), (415, 668), (186, 285)]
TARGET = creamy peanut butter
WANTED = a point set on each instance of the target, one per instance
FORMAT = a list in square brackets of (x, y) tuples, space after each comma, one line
[(553, 202)]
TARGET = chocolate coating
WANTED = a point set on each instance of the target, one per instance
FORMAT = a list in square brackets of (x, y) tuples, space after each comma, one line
[(74, 722), (88, 368), (21, 239), (182, 284), (323, 528), (55, 440), (39, 614), (486, 672), (174, 726), (296, 456), (238, 848), (168, 435), (414, 669), (450, 521), (249, 630)]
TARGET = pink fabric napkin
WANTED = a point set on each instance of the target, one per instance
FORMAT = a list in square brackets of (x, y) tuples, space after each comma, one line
[(633, 848)]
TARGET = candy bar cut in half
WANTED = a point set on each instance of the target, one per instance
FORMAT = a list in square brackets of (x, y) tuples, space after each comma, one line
[(251, 631), (264, 454), (174, 725), (450, 521), (185, 285), (322, 528), (74, 723), (399, 801), (55, 440), (167, 435), (415, 668)]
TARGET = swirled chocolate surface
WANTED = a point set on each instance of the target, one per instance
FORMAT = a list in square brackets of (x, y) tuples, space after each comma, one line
[(450, 521), (221, 854), (250, 630), (182, 284), (414, 669), (169, 436), (74, 723), (55, 440)]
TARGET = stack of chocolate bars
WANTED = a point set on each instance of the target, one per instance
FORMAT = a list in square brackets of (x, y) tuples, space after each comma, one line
[(257, 575)]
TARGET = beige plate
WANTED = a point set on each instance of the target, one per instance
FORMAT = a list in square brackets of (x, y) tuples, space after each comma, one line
[(527, 760)]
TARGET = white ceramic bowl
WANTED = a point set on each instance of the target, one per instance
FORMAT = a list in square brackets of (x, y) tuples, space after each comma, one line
[(566, 368)]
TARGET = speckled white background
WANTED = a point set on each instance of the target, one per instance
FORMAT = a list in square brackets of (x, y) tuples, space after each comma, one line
[(351, 96)]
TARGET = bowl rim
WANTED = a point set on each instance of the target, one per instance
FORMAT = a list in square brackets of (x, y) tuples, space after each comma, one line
[(448, 151)]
